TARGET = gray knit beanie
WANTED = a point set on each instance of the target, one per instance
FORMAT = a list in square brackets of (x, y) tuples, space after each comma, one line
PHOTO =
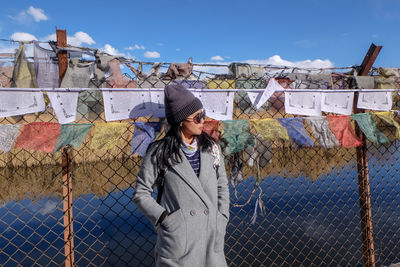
[(180, 103)]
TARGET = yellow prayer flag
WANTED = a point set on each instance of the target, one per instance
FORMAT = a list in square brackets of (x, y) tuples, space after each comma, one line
[(221, 84), (270, 129), (388, 117), (107, 135)]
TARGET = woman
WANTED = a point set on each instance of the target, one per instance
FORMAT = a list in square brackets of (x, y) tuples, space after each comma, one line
[(193, 212)]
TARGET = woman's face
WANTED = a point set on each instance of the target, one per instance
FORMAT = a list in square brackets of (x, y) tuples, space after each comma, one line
[(193, 125)]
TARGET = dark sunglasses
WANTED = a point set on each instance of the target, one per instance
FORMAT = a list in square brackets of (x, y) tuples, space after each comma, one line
[(197, 118)]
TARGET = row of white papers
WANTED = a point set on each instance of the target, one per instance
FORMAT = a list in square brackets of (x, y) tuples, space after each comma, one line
[(119, 105), (312, 103)]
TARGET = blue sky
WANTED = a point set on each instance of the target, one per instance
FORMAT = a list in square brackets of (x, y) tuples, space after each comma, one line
[(282, 32)]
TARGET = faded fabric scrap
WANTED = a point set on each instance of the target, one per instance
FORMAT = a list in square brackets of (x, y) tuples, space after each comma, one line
[(45, 67), (321, 132), (179, 70), (24, 72), (77, 75), (296, 131), (107, 135), (237, 135), (211, 128), (311, 81), (387, 78), (72, 134), (145, 133), (191, 84), (270, 129), (117, 80), (388, 117), (39, 136), (8, 135), (368, 126), (341, 127)]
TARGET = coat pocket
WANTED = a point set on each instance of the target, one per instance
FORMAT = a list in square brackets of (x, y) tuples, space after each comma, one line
[(171, 241), (220, 234)]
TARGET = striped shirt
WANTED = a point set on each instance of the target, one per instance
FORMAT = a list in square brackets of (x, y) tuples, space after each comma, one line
[(194, 161)]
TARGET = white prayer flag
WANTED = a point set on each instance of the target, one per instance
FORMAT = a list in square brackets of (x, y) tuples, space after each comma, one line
[(20, 103), (157, 104), (375, 101), (121, 105), (341, 103), (218, 105), (303, 103), (8, 135), (64, 105), (259, 98)]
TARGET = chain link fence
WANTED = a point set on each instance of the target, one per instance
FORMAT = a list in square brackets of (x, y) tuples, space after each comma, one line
[(310, 195)]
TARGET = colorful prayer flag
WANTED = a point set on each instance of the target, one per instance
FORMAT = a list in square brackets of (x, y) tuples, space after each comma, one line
[(237, 135), (368, 126), (39, 136), (321, 132), (296, 131), (72, 134), (107, 135), (388, 117), (8, 135), (341, 127), (270, 129), (144, 134), (211, 128)]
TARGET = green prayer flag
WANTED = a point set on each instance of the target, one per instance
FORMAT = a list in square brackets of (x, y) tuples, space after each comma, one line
[(72, 134), (237, 135), (368, 126)]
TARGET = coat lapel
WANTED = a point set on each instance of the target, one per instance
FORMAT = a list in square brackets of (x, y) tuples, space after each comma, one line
[(185, 171)]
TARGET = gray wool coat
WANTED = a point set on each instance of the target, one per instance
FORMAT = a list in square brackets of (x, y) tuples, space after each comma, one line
[(193, 233)]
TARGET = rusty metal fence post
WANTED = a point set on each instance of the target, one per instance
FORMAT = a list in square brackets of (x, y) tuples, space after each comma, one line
[(67, 207), (66, 167), (363, 171)]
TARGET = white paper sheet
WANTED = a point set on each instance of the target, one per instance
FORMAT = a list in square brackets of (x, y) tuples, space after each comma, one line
[(375, 100), (64, 105), (157, 104), (120, 105), (303, 103), (20, 103), (259, 98), (218, 105), (341, 103)]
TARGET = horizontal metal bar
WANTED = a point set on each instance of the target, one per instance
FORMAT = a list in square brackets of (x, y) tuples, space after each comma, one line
[(192, 89)]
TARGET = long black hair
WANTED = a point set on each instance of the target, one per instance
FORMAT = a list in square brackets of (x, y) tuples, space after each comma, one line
[(167, 150)]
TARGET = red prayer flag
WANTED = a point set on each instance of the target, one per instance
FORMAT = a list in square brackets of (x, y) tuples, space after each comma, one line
[(341, 127), (211, 128), (39, 136)]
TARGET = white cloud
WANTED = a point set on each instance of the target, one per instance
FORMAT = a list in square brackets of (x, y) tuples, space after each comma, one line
[(76, 40), (276, 60), (151, 54), (178, 49), (111, 50), (36, 13), (215, 58), (22, 36), (135, 47), (160, 44), (26, 16), (49, 207)]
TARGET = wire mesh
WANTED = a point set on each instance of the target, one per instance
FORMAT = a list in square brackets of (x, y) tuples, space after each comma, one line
[(310, 194)]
